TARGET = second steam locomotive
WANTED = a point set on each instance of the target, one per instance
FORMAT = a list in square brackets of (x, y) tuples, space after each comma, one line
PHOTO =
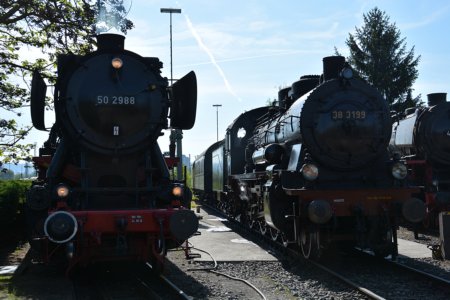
[(314, 170)]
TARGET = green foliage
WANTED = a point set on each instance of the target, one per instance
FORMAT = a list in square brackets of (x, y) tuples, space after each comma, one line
[(6, 174), (49, 28), (4, 282), (271, 102), (379, 55), (12, 197), (112, 14), (188, 175), (189, 178)]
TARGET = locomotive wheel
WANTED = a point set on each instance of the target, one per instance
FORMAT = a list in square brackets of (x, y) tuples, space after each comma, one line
[(431, 220), (310, 244), (220, 206), (274, 234), (251, 222), (284, 240), (386, 245), (262, 227)]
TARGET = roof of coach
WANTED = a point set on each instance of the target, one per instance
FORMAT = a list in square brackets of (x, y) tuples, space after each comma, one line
[(210, 149)]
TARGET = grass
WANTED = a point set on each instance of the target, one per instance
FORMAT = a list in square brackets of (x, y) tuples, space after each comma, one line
[(4, 283), (5, 278), (6, 291)]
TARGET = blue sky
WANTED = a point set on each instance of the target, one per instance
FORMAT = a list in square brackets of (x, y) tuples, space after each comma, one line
[(244, 51)]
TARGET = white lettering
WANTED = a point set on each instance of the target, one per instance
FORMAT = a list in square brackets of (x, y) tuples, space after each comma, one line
[(115, 100)]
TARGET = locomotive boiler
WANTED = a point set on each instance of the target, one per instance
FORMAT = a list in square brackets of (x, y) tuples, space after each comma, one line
[(104, 191), (422, 138), (315, 169)]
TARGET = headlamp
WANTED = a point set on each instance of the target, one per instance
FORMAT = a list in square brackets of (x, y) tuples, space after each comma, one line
[(310, 171), (116, 63), (177, 191), (347, 73), (399, 171), (62, 191)]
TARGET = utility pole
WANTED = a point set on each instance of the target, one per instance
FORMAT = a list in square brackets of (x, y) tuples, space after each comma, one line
[(176, 134), (217, 118)]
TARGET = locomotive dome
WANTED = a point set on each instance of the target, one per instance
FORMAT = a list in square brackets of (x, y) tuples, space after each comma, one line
[(102, 90)]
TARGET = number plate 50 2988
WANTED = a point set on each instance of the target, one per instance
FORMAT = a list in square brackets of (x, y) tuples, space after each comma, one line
[(116, 100)]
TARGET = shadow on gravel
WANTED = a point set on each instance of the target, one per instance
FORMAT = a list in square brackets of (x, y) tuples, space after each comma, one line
[(39, 281), (187, 281), (427, 266), (33, 280), (12, 238)]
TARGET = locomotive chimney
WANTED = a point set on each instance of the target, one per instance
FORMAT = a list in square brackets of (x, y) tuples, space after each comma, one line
[(110, 41), (332, 66), (436, 98)]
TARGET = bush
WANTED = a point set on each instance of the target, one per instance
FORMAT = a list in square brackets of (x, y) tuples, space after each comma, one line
[(12, 197)]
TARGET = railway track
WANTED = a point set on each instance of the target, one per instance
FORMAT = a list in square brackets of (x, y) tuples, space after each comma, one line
[(385, 279), (426, 275), (373, 277), (173, 287), (119, 282), (363, 290)]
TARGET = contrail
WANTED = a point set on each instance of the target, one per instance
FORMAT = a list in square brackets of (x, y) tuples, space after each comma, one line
[(250, 57), (211, 56)]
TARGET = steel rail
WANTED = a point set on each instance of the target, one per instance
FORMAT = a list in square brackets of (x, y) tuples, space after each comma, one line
[(294, 253), (180, 292), (363, 290), (422, 273)]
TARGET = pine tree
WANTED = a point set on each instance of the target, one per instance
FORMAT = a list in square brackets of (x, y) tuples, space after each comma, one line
[(379, 55)]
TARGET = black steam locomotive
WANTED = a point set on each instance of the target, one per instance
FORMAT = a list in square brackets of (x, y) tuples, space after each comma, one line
[(315, 169), (422, 138), (104, 190)]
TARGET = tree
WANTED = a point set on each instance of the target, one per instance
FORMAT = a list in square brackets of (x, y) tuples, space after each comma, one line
[(6, 174), (51, 27), (379, 55), (112, 14)]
